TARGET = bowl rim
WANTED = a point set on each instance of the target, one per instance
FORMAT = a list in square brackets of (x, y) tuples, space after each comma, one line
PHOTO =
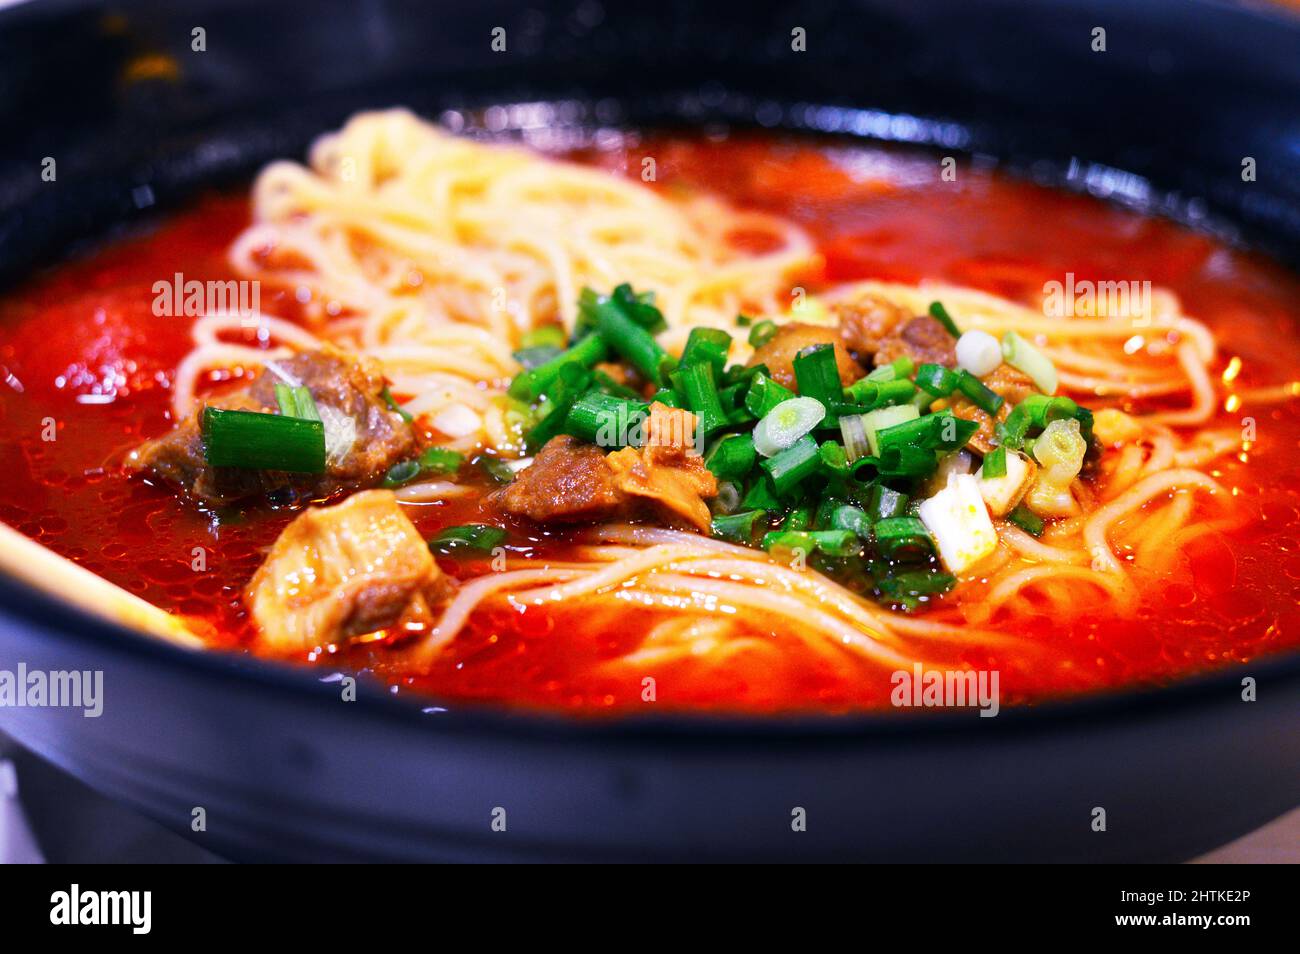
[(74, 627)]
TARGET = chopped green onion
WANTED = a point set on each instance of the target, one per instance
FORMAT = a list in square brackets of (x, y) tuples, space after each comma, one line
[(562, 393), (830, 542), (793, 464), (884, 418), (623, 335), (897, 369), (547, 336), (257, 441), (873, 394), (938, 311), (761, 495), (667, 397), (903, 539), (848, 517), (787, 423), (296, 402), (732, 457), (470, 537), (995, 463), (604, 420), (834, 461), (761, 333), (909, 589), (393, 405), (765, 394), (699, 392), (818, 376), (936, 379), (706, 344), (536, 357), (800, 518), (529, 385), (907, 460), (496, 469), (1023, 356), (737, 527), (403, 472), (1026, 520), (884, 503), (941, 431), (440, 460), (855, 437), (984, 398)]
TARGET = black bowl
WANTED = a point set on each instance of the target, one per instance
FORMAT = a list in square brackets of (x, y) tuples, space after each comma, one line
[(284, 769)]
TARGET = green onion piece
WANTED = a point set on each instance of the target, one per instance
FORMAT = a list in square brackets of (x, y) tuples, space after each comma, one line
[(1023, 356), (818, 376), (897, 369), (737, 527), (743, 321), (496, 470), (1026, 520), (706, 344), (914, 587), (765, 394), (800, 518), (623, 335), (531, 384), (941, 431), (732, 457), (830, 542), (401, 473), (536, 357), (257, 441), (873, 394), (834, 461), (883, 419), (995, 463), (296, 402), (699, 392), (569, 384), (440, 460), (793, 464), (855, 519), (884, 503), (467, 538), (762, 333), (667, 397), (547, 336), (607, 385), (903, 539), (640, 307), (826, 508), (938, 311), (393, 405), (604, 420), (855, 437), (936, 379), (987, 400), (786, 423), (907, 460), (761, 495)]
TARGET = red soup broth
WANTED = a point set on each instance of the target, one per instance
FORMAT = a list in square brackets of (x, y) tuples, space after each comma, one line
[(80, 346)]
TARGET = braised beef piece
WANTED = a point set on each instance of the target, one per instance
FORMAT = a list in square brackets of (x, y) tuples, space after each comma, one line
[(573, 482), (364, 437), (865, 322), (784, 346), (567, 482), (923, 339)]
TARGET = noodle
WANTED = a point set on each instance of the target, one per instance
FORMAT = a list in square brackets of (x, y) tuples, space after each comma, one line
[(432, 255)]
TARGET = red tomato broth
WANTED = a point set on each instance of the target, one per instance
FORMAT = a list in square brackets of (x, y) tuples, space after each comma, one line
[(87, 328)]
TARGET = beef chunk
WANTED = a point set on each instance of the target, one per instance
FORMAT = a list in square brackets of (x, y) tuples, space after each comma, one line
[(364, 437), (338, 572), (568, 482), (779, 353), (866, 321), (573, 482), (923, 339)]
